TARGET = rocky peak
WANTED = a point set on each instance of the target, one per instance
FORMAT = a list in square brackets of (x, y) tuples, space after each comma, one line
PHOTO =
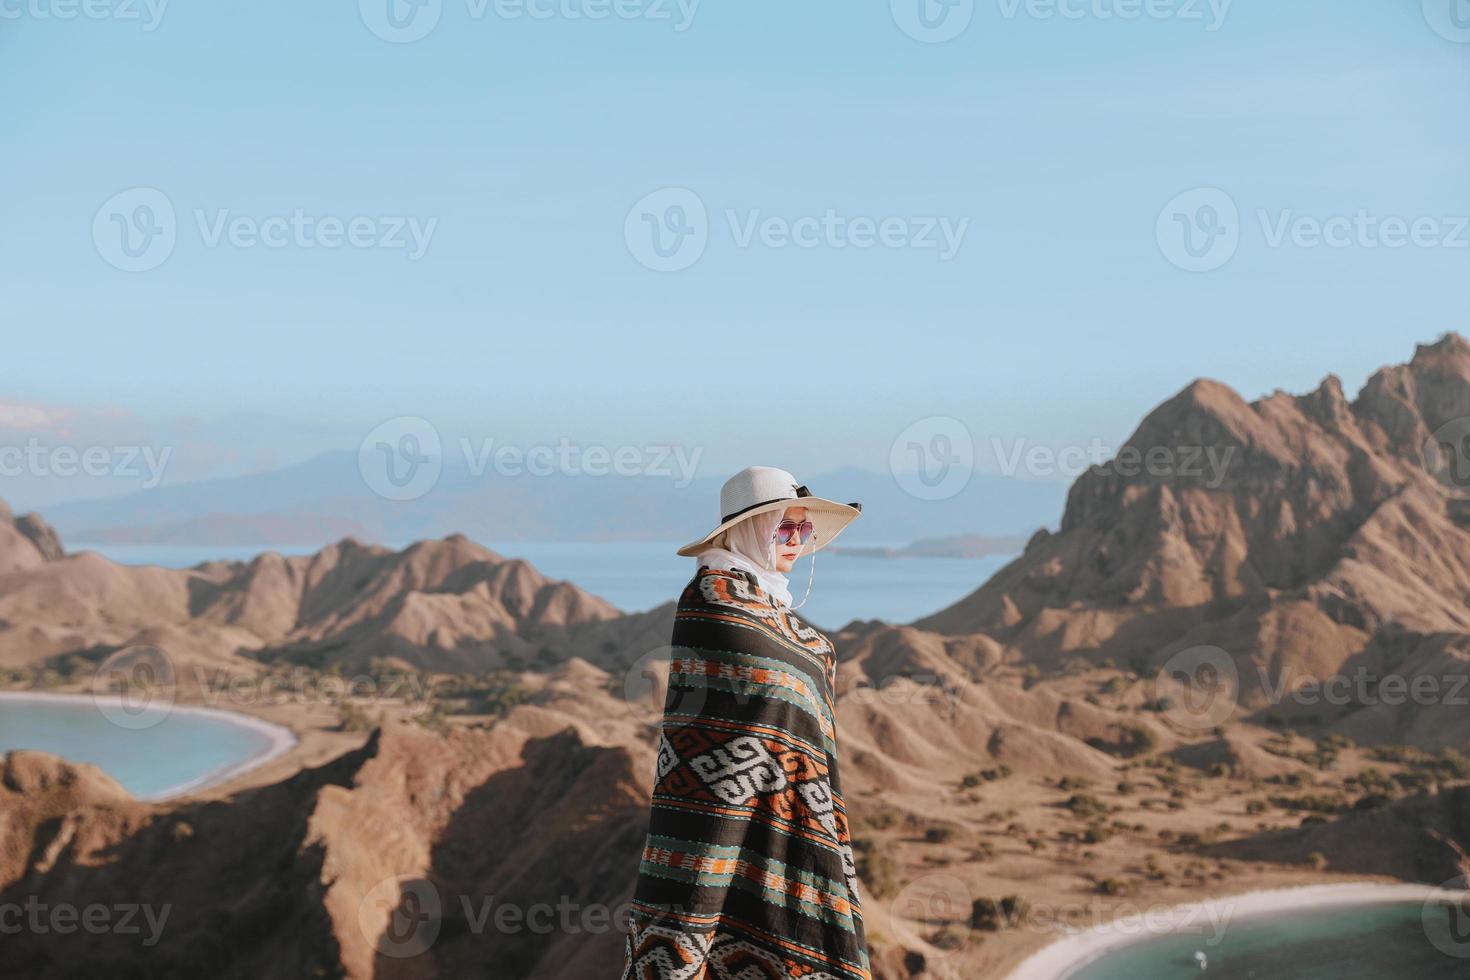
[(1215, 501), (1328, 405), (42, 535), (1412, 401), (1449, 345), (26, 540)]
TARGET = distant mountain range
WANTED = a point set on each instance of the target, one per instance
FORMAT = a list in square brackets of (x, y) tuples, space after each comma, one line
[(326, 498), (448, 605)]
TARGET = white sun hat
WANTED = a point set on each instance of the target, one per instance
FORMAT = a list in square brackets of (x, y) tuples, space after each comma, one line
[(759, 489)]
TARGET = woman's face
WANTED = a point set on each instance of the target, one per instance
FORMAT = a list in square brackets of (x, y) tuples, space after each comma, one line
[(786, 552)]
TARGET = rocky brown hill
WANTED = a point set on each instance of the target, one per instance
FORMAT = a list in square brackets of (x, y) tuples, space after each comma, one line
[(304, 878), (1423, 838), (1308, 536), (449, 605)]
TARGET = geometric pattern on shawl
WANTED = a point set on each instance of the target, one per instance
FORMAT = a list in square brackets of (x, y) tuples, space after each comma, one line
[(747, 870)]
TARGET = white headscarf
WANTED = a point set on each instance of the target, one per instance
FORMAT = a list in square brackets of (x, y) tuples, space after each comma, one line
[(750, 546)]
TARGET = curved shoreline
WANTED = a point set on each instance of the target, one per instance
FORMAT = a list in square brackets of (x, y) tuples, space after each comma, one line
[(279, 739), (1062, 958)]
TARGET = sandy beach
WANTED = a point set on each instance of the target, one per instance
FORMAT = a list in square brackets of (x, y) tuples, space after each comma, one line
[(1064, 956), (279, 739)]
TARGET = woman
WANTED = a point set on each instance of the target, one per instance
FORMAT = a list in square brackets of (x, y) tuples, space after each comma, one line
[(747, 871)]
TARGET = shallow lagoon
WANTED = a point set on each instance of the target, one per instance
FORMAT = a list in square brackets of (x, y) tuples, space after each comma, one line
[(1349, 942), (152, 756)]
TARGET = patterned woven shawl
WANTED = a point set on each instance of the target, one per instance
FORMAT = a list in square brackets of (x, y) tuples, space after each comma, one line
[(747, 871)]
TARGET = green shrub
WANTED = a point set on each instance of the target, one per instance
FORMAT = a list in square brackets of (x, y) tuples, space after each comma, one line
[(351, 718), (939, 835), (1085, 805)]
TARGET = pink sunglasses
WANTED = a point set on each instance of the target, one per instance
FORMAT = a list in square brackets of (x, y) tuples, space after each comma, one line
[(787, 531)]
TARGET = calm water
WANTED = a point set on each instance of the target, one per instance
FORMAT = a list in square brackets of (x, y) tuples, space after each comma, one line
[(639, 575), (183, 748), (1366, 942)]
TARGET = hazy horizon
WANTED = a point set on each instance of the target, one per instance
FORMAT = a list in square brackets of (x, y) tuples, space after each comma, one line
[(138, 453)]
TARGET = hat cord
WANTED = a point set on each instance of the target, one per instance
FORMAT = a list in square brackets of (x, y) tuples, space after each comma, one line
[(811, 575)]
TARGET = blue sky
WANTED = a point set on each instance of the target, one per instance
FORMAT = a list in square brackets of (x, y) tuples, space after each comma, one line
[(524, 143)]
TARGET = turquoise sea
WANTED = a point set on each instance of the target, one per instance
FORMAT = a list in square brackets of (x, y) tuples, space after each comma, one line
[(1390, 941), (182, 749), (638, 575)]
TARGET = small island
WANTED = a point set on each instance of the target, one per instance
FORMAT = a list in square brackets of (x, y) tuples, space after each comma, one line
[(956, 546)]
